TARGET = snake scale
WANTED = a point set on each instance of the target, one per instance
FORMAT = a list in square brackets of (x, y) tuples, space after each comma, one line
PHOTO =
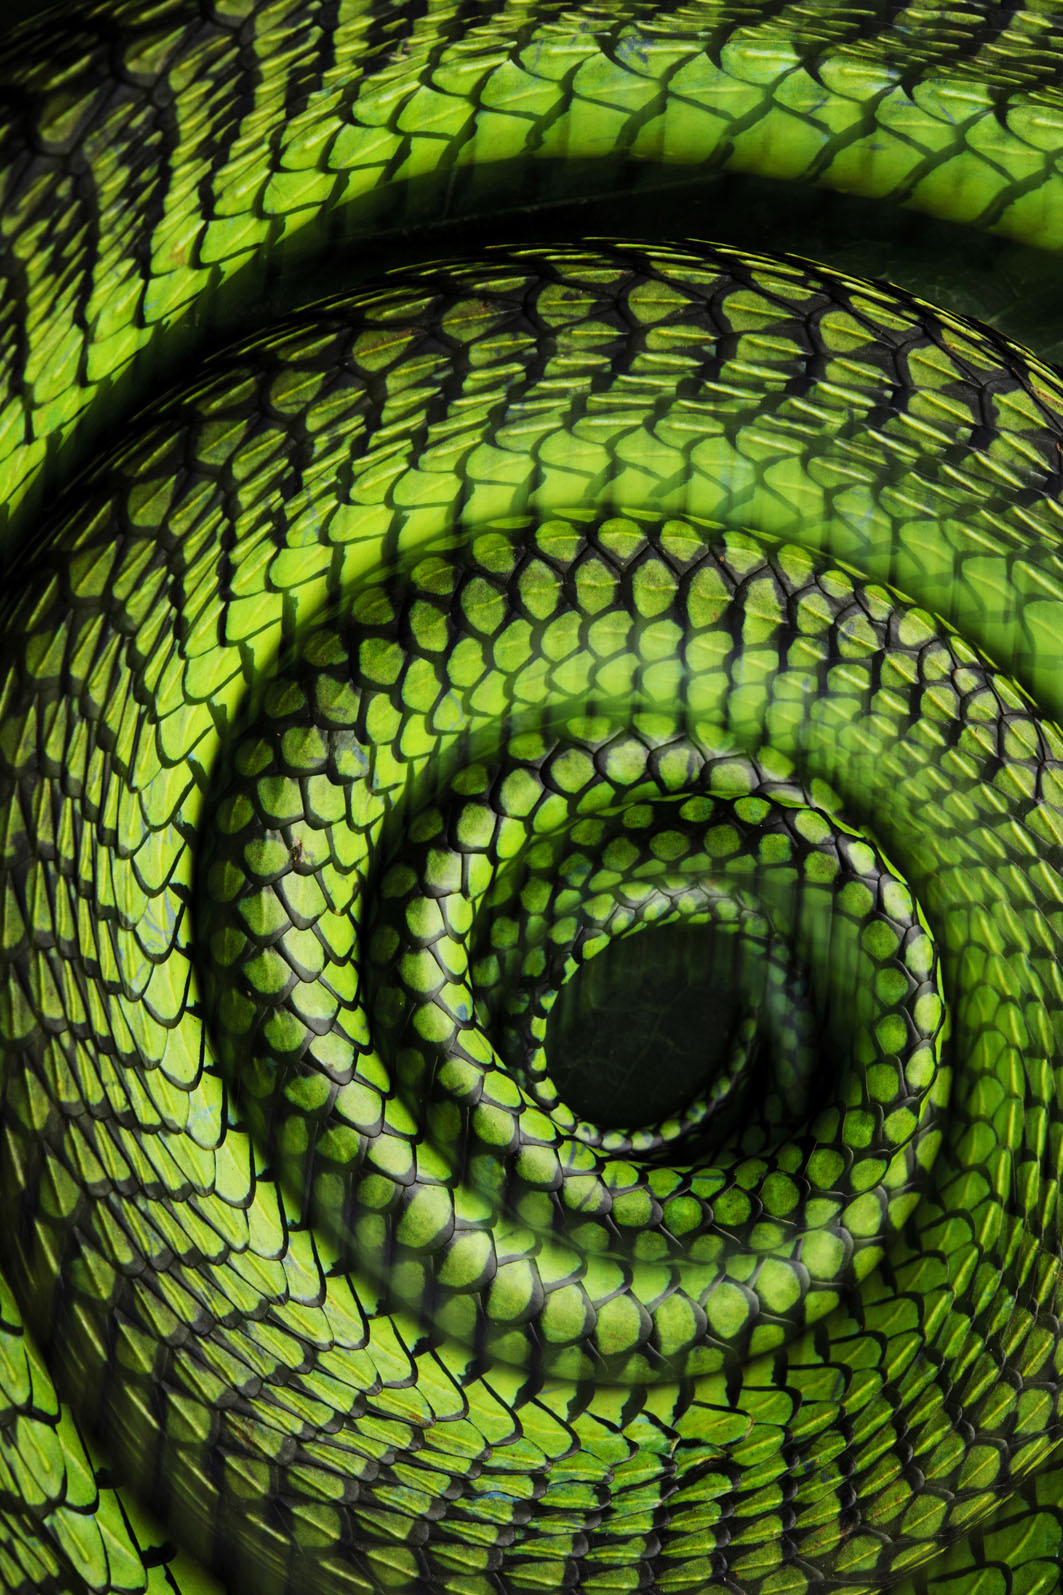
[(396, 649)]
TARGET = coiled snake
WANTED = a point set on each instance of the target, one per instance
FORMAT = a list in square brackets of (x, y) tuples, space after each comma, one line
[(432, 651)]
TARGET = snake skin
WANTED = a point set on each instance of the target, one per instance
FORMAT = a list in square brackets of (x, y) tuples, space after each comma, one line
[(372, 683)]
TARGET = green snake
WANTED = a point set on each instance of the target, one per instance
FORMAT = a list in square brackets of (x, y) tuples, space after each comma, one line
[(380, 688)]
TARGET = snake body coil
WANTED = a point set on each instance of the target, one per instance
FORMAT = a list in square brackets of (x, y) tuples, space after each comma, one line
[(441, 644)]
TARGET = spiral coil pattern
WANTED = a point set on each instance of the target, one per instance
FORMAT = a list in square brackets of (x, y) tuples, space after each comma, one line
[(438, 645)]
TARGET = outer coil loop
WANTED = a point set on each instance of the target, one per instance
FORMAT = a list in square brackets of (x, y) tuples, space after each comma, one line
[(294, 1227)]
